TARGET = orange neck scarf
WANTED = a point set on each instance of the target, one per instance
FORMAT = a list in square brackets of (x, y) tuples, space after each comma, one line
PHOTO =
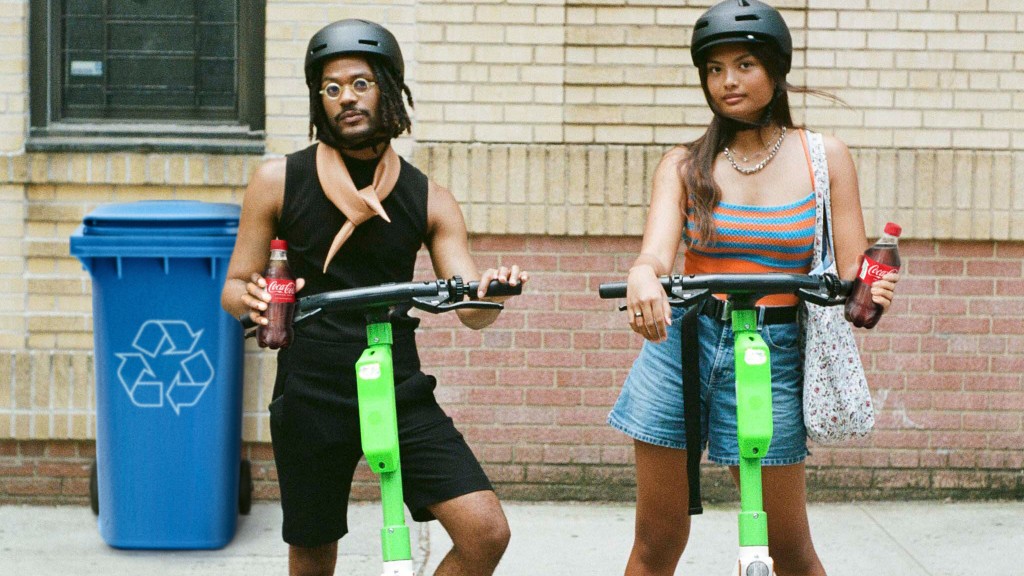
[(358, 206)]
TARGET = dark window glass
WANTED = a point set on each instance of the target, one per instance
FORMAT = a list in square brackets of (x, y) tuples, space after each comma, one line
[(151, 62), (141, 59)]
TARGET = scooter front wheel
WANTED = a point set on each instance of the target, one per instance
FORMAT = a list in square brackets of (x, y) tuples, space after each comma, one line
[(755, 561), (756, 568)]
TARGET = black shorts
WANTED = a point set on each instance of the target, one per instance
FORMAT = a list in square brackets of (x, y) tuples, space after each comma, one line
[(314, 425)]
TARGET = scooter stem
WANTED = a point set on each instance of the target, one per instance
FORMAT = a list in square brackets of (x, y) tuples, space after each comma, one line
[(754, 431), (378, 426)]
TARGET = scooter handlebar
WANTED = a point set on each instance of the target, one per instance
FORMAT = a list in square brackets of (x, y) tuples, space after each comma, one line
[(494, 288), (434, 296), (825, 290)]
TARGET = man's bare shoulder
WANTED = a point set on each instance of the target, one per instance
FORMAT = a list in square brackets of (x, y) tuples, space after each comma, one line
[(270, 173)]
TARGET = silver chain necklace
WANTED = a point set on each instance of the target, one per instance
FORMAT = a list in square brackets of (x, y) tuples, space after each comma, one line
[(760, 165)]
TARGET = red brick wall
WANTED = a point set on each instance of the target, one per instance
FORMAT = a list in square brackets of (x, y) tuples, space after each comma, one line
[(52, 471), (531, 392)]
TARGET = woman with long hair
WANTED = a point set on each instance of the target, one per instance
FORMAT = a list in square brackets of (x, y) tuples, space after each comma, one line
[(742, 200)]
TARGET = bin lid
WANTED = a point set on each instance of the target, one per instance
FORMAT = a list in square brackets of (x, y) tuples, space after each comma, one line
[(162, 217), (164, 228)]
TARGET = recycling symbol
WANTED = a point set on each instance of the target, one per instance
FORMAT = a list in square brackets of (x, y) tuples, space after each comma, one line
[(165, 365)]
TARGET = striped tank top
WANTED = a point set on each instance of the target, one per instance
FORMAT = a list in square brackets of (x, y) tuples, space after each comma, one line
[(755, 239)]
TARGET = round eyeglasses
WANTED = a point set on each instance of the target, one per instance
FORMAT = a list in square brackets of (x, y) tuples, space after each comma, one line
[(359, 86)]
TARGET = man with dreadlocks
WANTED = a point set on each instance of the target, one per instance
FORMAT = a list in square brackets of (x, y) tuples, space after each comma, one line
[(355, 214)]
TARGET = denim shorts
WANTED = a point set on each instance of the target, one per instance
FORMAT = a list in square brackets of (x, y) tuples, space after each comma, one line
[(650, 406)]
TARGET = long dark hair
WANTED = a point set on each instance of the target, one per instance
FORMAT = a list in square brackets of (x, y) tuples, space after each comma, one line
[(394, 118), (702, 193)]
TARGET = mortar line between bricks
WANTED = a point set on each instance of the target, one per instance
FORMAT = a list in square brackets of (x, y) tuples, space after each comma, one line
[(896, 541)]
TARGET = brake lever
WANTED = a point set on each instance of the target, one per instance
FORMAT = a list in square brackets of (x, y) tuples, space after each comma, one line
[(249, 327), (307, 314), (819, 298), (832, 291), (685, 299), (435, 307)]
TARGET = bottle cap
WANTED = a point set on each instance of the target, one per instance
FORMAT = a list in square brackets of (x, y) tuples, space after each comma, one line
[(893, 229), (278, 244)]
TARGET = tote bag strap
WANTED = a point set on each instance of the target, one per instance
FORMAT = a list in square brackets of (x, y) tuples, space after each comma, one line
[(823, 259)]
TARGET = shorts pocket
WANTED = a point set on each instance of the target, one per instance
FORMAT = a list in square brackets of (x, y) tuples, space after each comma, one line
[(276, 409), (784, 336)]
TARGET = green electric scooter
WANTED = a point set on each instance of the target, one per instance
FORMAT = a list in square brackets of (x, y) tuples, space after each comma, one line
[(378, 420), (753, 383)]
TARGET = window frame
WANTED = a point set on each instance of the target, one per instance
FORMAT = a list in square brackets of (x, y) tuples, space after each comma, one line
[(49, 132)]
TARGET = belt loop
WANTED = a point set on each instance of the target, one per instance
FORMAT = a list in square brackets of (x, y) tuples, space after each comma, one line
[(760, 317), (725, 311)]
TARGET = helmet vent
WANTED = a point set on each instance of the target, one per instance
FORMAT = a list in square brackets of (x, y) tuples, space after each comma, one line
[(317, 48), (743, 17), (701, 24), (370, 42)]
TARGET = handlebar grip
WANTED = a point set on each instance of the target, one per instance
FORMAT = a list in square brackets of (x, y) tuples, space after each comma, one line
[(495, 288), (612, 290), (246, 321)]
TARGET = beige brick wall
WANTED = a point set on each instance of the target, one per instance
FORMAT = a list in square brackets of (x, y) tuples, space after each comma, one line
[(13, 130), (490, 71), (546, 189), (915, 74), (13, 293), (13, 75), (918, 73), (545, 118), (597, 189)]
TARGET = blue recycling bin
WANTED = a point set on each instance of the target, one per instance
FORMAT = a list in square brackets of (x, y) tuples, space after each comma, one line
[(168, 366)]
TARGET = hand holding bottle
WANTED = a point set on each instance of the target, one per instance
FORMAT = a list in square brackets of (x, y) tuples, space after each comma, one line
[(873, 288), (273, 300)]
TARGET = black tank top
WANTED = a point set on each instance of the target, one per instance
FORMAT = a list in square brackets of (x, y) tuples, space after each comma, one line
[(375, 253)]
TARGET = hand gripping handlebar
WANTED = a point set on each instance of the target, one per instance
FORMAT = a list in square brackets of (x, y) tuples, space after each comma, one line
[(434, 296), (824, 290)]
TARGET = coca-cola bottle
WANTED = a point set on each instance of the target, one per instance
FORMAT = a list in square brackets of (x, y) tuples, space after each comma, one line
[(281, 308), (879, 260)]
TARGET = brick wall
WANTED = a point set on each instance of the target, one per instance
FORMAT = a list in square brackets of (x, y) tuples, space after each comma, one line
[(599, 189), (13, 74), (531, 392), (490, 71), (916, 73), (546, 118)]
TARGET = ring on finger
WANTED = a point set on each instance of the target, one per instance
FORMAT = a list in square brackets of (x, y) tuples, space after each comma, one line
[(638, 314)]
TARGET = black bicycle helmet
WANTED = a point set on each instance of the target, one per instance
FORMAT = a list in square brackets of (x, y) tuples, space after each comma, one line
[(353, 36), (741, 21)]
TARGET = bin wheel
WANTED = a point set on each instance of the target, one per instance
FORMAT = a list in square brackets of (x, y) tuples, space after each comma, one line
[(94, 493), (245, 487)]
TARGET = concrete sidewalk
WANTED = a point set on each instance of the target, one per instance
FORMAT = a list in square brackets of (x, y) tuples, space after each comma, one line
[(560, 539)]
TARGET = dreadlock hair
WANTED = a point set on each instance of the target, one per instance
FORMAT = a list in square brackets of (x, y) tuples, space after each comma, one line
[(702, 193), (391, 111)]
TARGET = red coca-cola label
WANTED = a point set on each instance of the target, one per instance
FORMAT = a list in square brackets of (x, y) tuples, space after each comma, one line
[(871, 270), (281, 290)]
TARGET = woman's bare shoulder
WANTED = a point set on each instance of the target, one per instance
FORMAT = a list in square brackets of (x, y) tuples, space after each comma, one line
[(676, 154), (834, 147)]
